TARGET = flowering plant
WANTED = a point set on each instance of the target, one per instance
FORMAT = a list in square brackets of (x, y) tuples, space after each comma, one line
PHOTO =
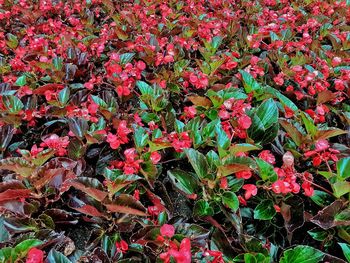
[(174, 131)]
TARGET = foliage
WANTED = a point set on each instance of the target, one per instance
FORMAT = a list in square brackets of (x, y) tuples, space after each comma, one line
[(174, 131)]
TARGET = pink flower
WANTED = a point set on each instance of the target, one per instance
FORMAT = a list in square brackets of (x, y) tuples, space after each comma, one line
[(321, 145), (113, 141), (251, 190), (267, 156), (121, 137), (181, 255), (35, 255), (155, 157), (59, 144), (244, 122), (167, 230), (244, 174)]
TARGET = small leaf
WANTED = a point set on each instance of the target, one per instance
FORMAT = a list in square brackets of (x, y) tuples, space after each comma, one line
[(318, 235), (302, 254), (126, 58), (79, 126), (292, 131), (341, 188), (243, 147), (325, 134), (63, 96), (202, 208), (22, 248), (126, 204), (200, 101), (184, 181), (266, 171), (346, 250), (321, 198), (343, 168), (198, 162), (264, 210), (57, 257), (57, 63), (13, 104), (12, 41), (21, 81), (309, 124), (140, 137), (90, 186), (249, 83), (18, 165), (230, 199)]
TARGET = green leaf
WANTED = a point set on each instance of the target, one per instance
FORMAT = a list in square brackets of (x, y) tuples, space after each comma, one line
[(21, 81), (7, 254), (140, 137), (13, 104), (233, 164), (213, 159), (302, 254), (198, 162), (184, 181), (318, 235), (100, 102), (243, 147), (22, 248), (266, 170), (223, 140), (283, 99), (57, 63), (126, 58), (202, 208), (341, 188), (343, 168), (268, 113), (57, 257), (12, 41), (249, 258), (264, 126), (346, 250), (249, 83), (321, 198), (309, 124), (78, 126), (145, 89), (230, 199), (63, 96), (264, 210), (216, 42)]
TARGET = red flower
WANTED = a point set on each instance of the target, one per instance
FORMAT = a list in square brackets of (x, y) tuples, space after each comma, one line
[(122, 136), (308, 189), (181, 255), (155, 157), (122, 246), (244, 122), (35, 255), (251, 190), (244, 174), (167, 230), (267, 156), (59, 144), (223, 183)]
